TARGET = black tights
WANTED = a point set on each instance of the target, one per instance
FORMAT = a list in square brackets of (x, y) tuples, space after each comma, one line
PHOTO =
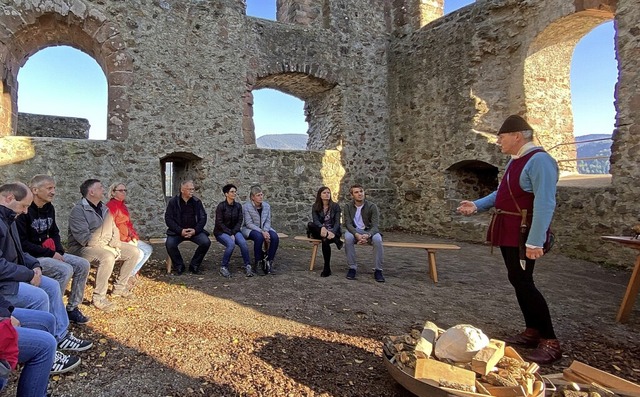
[(314, 231), (532, 304)]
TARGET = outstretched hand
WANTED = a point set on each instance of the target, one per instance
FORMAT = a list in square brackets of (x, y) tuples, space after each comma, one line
[(467, 208)]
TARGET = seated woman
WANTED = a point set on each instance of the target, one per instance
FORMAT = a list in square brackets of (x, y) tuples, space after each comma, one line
[(325, 225), (257, 227), (128, 234), (227, 230)]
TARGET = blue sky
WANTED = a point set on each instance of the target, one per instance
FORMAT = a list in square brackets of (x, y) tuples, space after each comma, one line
[(63, 81)]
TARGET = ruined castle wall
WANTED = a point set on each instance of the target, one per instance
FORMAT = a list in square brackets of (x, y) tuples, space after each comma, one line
[(454, 81), (191, 64), (52, 126), (409, 113)]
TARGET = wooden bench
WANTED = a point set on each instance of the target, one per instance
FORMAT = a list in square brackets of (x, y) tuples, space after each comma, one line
[(431, 249), (163, 240)]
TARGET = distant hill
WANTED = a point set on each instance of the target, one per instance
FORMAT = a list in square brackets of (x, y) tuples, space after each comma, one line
[(593, 149), (589, 149), (283, 141)]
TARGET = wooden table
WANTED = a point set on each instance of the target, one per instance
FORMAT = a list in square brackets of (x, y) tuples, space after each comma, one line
[(634, 283)]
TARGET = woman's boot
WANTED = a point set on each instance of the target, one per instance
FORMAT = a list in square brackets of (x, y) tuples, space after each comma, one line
[(326, 272)]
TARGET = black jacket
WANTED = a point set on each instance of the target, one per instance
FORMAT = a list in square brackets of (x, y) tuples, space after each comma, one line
[(228, 218), (37, 225), (15, 265), (172, 216), (334, 211)]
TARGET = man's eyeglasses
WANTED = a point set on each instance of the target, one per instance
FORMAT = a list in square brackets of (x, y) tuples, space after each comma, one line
[(120, 190)]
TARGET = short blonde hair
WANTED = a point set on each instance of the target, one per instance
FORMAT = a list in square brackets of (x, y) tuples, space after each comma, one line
[(112, 188)]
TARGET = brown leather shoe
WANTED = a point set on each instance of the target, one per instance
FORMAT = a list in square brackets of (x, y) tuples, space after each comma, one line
[(547, 352), (529, 338)]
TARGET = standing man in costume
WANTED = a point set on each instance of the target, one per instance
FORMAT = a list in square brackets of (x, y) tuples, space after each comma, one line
[(524, 203)]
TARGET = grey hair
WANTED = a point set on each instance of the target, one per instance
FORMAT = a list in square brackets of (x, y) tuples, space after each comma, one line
[(40, 179), (18, 189), (527, 135), (255, 189)]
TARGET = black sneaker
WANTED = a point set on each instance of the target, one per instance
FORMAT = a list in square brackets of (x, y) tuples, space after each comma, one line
[(76, 316), (351, 274), (378, 276), (64, 363), (70, 342)]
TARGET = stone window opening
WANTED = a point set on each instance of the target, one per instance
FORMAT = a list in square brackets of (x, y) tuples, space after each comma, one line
[(321, 101), (62, 93), (547, 89), (280, 120), (178, 167), (31, 29), (469, 180)]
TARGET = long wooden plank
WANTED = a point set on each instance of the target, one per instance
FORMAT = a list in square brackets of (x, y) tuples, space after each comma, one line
[(603, 378), (427, 246), (397, 244), (569, 377)]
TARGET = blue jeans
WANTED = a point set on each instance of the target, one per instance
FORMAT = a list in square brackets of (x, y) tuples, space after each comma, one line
[(46, 298), (229, 246), (145, 253), (200, 239), (350, 249), (73, 266), (37, 350), (258, 242)]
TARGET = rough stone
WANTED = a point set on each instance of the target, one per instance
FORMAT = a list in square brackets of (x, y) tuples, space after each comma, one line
[(397, 97)]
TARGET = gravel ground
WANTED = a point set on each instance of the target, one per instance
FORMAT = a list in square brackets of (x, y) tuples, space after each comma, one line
[(297, 334)]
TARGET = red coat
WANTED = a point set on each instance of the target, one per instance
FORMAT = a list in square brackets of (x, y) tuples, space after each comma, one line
[(8, 343), (121, 217)]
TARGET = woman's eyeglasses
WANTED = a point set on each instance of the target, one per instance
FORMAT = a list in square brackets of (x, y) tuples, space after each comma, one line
[(120, 190)]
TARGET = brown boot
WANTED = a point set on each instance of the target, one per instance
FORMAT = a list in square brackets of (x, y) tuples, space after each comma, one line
[(547, 352), (529, 338)]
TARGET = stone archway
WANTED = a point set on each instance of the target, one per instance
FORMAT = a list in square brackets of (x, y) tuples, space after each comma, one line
[(320, 97), (469, 179), (26, 29), (547, 70)]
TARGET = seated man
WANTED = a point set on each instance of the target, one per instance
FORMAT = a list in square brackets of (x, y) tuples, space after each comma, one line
[(185, 218), (94, 236), (362, 219), (21, 281), (40, 237)]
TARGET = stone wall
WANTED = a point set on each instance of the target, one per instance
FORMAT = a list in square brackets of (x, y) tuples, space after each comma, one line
[(397, 99), (454, 81), (53, 126)]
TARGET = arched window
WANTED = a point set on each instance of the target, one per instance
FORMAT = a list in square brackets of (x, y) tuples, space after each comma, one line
[(594, 72), (58, 88), (279, 120)]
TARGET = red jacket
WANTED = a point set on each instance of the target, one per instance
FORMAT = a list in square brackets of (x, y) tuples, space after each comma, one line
[(121, 217)]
